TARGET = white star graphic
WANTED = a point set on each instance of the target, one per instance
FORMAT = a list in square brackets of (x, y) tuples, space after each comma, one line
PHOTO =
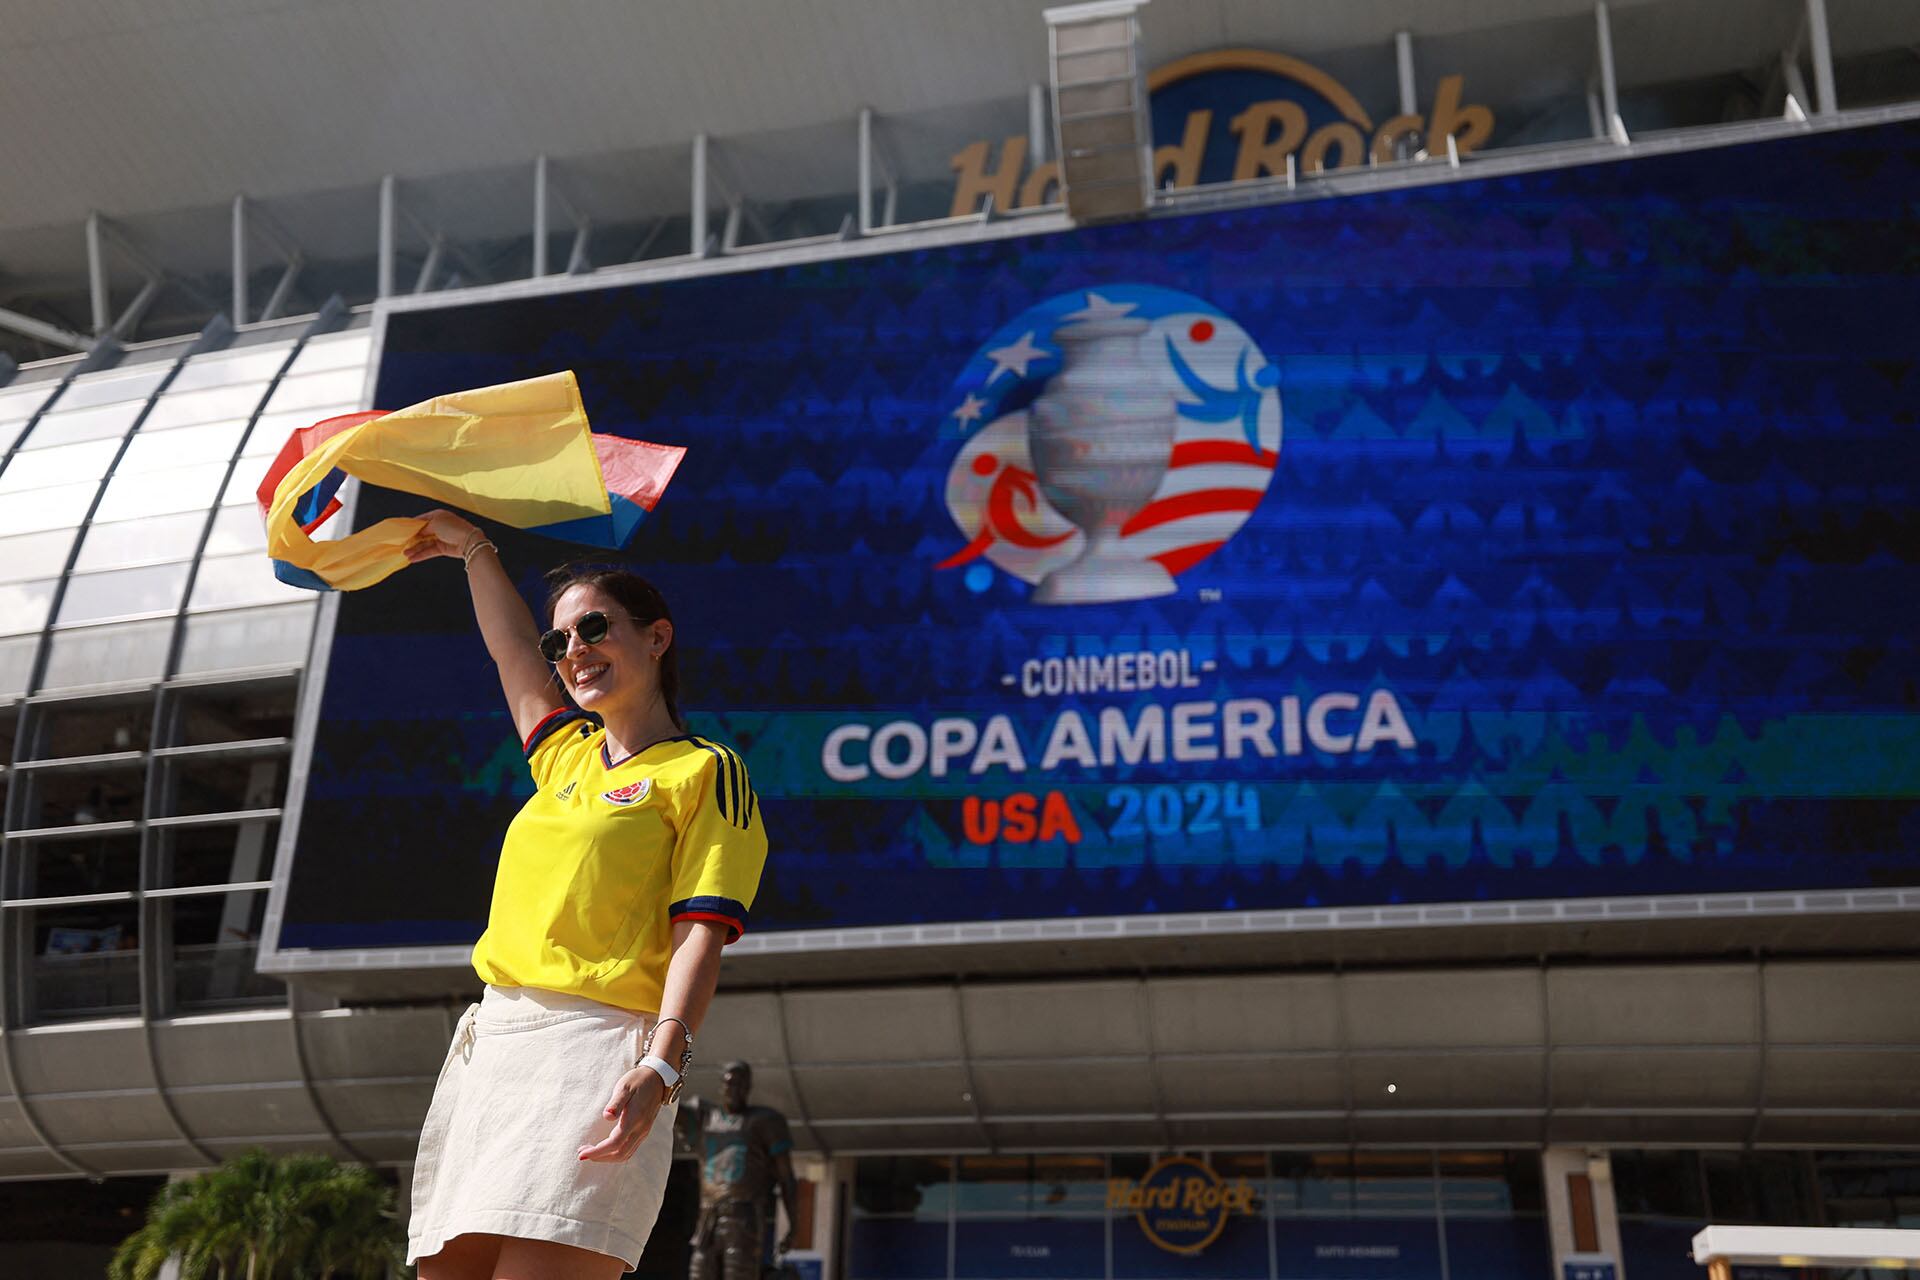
[(1016, 358), (970, 410), (1098, 308)]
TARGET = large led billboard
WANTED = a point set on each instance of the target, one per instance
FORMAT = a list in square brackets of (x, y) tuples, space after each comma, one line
[(1547, 536)]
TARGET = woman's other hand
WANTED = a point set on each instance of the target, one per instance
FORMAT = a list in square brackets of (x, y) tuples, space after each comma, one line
[(446, 534), (633, 1108)]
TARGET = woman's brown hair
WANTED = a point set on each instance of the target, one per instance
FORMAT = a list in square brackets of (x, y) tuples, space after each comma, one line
[(642, 602)]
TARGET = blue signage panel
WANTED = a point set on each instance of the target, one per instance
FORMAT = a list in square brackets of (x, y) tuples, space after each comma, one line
[(1546, 536)]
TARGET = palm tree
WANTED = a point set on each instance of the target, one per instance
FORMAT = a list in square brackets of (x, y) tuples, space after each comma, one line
[(258, 1217)]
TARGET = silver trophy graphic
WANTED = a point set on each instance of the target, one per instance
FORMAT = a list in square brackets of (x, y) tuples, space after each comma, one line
[(1101, 436)]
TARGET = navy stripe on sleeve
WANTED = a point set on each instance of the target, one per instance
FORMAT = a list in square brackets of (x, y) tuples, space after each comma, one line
[(551, 723), (736, 792), (722, 797), (719, 910)]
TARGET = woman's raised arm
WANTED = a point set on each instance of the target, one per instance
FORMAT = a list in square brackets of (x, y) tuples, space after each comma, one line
[(508, 628)]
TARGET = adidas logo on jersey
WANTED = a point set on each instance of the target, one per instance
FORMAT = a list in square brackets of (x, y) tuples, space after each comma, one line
[(566, 792)]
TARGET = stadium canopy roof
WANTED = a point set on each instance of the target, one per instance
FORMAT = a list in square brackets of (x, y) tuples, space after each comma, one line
[(156, 114)]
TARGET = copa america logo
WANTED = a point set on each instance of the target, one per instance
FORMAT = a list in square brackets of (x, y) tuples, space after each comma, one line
[(1112, 438)]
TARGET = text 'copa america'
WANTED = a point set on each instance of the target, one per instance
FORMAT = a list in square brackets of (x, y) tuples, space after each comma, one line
[(1337, 722)]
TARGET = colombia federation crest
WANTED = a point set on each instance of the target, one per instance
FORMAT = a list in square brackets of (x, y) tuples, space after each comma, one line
[(1109, 440)]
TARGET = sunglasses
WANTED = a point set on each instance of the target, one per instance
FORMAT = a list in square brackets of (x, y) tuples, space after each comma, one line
[(591, 628)]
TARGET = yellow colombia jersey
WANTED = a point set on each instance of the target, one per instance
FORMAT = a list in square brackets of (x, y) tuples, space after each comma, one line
[(607, 855)]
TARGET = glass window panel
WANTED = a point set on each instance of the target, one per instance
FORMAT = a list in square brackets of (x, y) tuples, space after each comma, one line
[(68, 464), (131, 542), (162, 492), (271, 430), (17, 408), (34, 555), (252, 366), (65, 426), (245, 483), (237, 713), (237, 529), (233, 853), (1031, 1216), (85, 960), (336, 351), (60, 798), (16, 662), (223, 785), (58, 868), (229, 581), (329, 390), (110, 654), (179, 409), (123, 593), (37, 509), (899, 1224), (248, 639), (95, 727), (182, 447), (215, 938), (23, 605), (115, 386)]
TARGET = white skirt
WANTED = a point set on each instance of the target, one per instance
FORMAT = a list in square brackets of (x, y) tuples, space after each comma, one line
[(521, 1092)]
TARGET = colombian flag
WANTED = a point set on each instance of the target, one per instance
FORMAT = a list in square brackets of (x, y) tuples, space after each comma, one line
[(520, 453)]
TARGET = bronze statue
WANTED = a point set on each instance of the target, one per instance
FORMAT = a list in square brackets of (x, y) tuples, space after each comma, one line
[(745, 1159)]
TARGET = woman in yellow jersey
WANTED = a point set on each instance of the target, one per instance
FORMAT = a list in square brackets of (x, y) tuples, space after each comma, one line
[(546, 1150)]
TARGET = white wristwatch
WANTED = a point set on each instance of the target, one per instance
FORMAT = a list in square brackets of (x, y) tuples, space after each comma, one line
[(664, 1069)]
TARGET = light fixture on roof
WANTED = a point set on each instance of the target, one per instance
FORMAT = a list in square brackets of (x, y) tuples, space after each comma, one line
[(1103, 138)]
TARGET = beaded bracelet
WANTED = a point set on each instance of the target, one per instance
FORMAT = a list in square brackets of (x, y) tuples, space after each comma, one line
[(484, 544)]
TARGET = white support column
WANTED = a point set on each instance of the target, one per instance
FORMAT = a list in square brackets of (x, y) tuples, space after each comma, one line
[(1039, 136), (1403, 60), (240, 308), (283, 290), (539, 215), (41, 331), (1609, 86), (1820, 46), (436, 249), (385, 289), (1564, 1170), (866, 170), (97, 277), (699, 211)]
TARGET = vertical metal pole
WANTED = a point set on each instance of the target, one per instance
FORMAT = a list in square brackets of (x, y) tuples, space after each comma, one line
[(866, 170), (699, 212), (539, 215), (97, 277), (1038, 135), (386, 237), (1403, 56), (239, 259), (1609, 88), (1822, 53)]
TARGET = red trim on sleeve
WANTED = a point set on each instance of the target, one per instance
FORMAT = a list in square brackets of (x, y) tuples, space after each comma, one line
[(734, 927), (534, 735)]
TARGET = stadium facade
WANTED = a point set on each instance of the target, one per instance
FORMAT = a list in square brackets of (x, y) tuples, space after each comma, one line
[(1367, 980)]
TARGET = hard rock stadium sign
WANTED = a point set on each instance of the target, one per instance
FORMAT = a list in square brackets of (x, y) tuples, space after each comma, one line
[(1235, 114)]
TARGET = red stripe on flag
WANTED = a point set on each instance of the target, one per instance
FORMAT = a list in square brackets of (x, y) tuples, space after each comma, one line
[(302, 441), (1201, 502), (1192, 453), (637, 470)]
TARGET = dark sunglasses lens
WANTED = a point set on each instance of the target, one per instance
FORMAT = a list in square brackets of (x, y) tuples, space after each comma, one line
[(592, 627), (553, 645)]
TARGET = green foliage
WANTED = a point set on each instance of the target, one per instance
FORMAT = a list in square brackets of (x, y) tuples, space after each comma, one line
[(262, 1217)]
